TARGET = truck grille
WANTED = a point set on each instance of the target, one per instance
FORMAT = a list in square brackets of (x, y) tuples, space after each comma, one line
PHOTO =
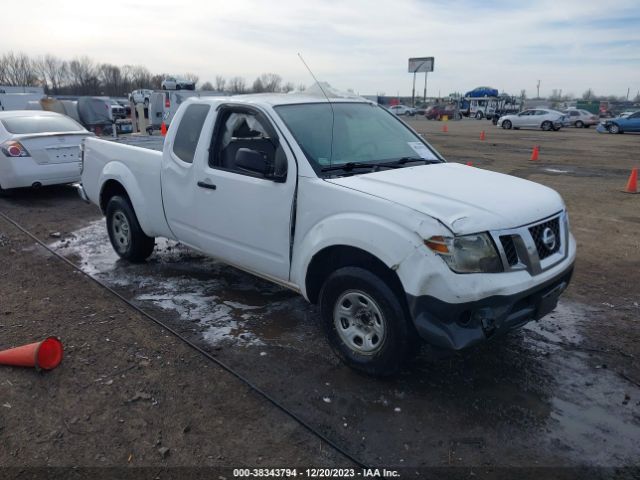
[(509, 249), (537, 233)]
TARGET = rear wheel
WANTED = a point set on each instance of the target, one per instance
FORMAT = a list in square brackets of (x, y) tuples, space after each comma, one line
[(127, 238), (507, 124), (579, 124), (546, 125), (479, 115), (365, 323)]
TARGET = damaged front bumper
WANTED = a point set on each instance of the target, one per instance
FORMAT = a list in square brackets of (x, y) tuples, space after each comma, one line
[(459, 325)]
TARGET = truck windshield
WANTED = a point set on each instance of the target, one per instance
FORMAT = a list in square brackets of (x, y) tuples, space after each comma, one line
[(353, 133)]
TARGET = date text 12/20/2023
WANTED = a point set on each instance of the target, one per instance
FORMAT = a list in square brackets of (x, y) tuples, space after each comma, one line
[(315, 473)]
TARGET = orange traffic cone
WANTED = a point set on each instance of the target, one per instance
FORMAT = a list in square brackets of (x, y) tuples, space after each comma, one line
[(632, 184), (45, 355), (469, 164), (482, 135), (445, 128), (535, 153), (163, 129)]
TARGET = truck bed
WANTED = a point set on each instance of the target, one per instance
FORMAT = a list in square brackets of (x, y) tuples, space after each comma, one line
[(134, 163)]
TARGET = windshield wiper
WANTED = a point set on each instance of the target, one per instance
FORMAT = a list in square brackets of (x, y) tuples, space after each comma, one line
[(404, 160), (347, 167)]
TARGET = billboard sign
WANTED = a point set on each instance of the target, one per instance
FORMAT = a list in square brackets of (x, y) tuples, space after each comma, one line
[(422, 64)]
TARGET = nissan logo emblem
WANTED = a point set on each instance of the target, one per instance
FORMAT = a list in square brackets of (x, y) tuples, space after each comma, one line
[(549, 239)]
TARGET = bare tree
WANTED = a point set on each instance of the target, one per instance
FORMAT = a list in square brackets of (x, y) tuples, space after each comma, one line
[(288, 87), (18, 70), (588, 95), (237, 85), (523, 94), (257, 86), (220, 83), (83, 76), (207, 86), (55, 72), (271, 82)]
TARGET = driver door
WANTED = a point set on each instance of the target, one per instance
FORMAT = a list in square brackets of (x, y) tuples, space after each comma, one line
[(244, 218)]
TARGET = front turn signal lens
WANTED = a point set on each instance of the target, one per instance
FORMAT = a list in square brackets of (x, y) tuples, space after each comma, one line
[(438, 244)]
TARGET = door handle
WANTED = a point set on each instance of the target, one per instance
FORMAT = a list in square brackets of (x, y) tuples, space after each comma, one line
[(210, 186)]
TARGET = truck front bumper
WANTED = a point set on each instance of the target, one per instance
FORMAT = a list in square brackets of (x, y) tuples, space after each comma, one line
[(456, 326)]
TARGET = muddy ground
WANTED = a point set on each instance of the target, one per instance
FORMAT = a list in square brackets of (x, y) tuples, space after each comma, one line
[(563, 392)]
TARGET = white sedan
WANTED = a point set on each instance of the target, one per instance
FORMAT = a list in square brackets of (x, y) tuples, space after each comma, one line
[(39, 148), (543, 118), (402, 110)]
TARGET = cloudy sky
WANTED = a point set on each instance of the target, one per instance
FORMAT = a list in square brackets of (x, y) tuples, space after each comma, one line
[(571, 45)]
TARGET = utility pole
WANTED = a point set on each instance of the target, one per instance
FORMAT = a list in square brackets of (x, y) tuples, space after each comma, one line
[(413, 93), (538, 87), (425, 87), (628, 91)]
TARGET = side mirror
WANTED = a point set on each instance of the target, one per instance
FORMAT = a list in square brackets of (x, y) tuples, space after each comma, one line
[(253, 161)]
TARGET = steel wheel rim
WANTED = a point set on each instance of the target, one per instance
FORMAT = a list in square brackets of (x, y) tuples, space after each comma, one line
[(359, 322), (121, 231)]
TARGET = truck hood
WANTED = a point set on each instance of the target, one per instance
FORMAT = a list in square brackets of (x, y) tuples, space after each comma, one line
[(465, 199)]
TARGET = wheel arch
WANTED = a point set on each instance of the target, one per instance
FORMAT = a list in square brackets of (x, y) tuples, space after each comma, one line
[(333, 257)]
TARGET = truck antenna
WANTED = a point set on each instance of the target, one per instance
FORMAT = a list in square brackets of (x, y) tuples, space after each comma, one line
[(333, 113)]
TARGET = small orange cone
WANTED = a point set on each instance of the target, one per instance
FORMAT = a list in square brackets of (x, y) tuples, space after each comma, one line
[(163, 129), (445, 128), (535, 153), (632, 184), (482, 135), (469, 164), (45, 355)]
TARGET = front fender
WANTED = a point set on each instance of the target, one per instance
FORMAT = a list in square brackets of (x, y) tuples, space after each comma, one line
[(388, 241)]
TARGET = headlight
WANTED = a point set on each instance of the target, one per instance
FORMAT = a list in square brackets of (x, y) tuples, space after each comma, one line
[(467, 254)]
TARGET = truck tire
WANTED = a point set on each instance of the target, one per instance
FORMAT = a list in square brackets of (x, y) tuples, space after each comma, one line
[(127, 238), (365, 323)]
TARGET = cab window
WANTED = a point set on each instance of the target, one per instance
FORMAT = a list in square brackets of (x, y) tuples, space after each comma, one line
[(247, 129), (188, 134)]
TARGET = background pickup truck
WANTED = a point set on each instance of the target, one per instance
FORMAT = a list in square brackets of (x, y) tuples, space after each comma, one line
[(343, 202)]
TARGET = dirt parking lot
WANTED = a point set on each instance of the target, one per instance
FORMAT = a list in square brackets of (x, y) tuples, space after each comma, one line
[(562, 392)]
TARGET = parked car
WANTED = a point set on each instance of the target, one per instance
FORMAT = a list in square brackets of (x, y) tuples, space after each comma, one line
[(175, 83), (543, 118), (140, 96), (436, 112), (117, 110), (349, 207), (626, 114), (630, 123), (39, 148), (402, 110), (580, 118)]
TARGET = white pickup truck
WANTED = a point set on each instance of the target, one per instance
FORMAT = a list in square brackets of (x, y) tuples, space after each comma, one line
[(341, 201)]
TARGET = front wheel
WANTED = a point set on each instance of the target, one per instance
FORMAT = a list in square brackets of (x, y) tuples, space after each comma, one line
[(579, 124), (507, 124), (614, 128), (127, 238), (479, 115), (365, 323)]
